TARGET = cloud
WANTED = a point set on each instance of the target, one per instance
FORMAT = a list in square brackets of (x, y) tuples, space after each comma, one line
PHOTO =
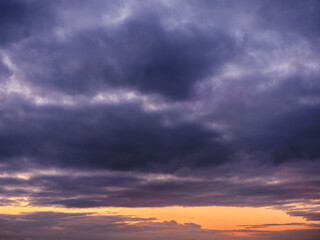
[(292, 17), (140, 53), (120, 137), (215, 102), (217, 186), (23, 19), (310, 234), (53, 225)]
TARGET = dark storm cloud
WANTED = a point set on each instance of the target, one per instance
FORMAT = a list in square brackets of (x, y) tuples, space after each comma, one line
[(279, 124), (172, 193), (21, 19), (185, 193), (139, 53), (296, 136), (220, 85), (254, 188), (294, 133), (120, 137), (292, 17), (276, 122)]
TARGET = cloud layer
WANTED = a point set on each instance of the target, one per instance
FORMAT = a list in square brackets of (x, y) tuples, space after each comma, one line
[(159, 103)]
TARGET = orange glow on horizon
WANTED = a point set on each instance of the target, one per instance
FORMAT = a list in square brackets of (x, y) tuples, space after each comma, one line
[(218, 218)]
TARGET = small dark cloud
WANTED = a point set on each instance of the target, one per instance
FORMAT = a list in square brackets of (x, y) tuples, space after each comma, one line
[(23, 19), (308, 234), (272, 225), (292, 17), (310, 216)]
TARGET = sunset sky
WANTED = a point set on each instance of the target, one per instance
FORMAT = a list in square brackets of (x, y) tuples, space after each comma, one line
[(160, 119)]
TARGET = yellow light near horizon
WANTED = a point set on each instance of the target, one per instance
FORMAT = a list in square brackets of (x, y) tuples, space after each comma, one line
[(219, 218)]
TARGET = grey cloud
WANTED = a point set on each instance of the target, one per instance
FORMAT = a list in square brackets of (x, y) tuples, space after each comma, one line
[(211, 187), (292, 17), (310, 216), (5, 71), (312, 234), (121, 137), (23, 19), (278, 123), (239, 81), (139, 54)]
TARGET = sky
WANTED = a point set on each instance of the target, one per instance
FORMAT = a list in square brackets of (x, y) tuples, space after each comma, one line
[(160, 119)]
